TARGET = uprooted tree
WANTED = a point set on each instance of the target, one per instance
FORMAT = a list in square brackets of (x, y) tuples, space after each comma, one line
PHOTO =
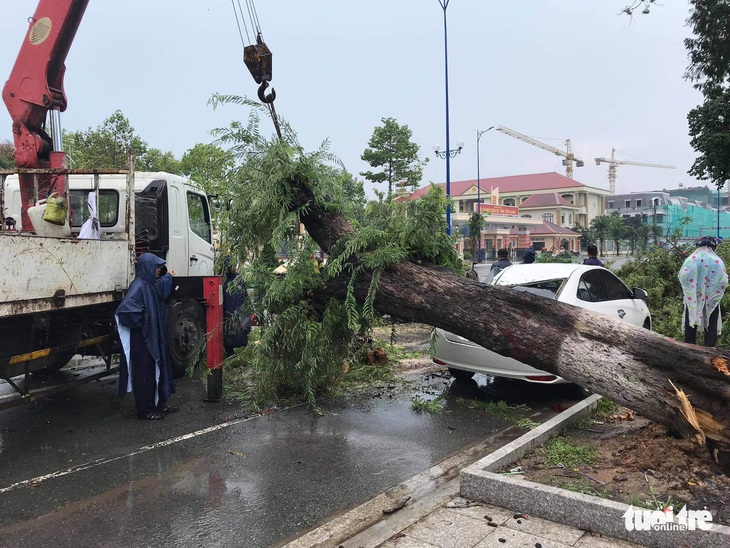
[(402, 263)]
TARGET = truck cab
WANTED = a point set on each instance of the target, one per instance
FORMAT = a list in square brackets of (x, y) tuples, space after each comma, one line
[(61, 289), (172, 215)]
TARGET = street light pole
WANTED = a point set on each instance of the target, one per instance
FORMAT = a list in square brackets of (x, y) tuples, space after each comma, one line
[(448, 154), (445, 4), (718, 212), (479, 192)]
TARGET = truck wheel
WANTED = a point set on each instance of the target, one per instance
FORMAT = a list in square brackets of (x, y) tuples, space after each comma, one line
[(185, 334), (62, 334)]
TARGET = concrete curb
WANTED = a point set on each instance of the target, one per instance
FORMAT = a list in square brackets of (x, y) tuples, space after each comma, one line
[(480, 482)]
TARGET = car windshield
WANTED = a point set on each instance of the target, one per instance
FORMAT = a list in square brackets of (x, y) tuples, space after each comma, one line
[(548, 289), (483, 271)]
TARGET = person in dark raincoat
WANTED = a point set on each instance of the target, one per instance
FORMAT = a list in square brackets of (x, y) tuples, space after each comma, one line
[(145, 367), (237, 320), (502, 261), (592, 258), (529, 256)]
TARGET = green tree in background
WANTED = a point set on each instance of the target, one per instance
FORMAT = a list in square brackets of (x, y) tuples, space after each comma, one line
[(655, 232), (106, 146), (7, 161), (207, 165), (616, 230), (390, 148), (709, 127), (475, 224), (354, 192), (586, 235), (600, 226), (709, 70), (636, 234), (156, 160)]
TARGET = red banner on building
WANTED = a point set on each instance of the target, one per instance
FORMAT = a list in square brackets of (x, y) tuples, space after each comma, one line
[(490, 209)]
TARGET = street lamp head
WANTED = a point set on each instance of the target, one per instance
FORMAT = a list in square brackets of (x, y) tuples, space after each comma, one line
[(481, 132), (450, 153)]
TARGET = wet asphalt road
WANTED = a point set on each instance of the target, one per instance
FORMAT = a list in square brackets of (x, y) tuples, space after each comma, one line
[(78, 469)]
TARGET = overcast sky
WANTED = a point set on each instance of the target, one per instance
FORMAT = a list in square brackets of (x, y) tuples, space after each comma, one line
[(552, 69)]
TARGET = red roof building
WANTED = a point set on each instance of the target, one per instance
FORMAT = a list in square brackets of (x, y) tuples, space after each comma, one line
[(549, 206), (512, 184)]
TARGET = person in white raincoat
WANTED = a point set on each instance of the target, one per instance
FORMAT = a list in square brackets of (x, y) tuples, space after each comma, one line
[(704, 279), (91, 229)]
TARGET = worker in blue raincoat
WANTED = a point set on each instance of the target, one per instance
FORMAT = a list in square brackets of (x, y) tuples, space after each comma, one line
[(237, 319), (145, 367), (529, 256)]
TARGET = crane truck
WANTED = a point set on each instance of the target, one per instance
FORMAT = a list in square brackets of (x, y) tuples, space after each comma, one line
[(59, 291)]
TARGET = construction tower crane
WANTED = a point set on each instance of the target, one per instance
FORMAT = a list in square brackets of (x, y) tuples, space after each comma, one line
[(613, 163), (568, 156)]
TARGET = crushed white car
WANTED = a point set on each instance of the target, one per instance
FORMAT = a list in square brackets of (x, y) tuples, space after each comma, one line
[(592, 287)]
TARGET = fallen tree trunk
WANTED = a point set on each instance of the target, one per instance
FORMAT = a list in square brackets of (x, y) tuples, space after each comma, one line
[(633, 366)]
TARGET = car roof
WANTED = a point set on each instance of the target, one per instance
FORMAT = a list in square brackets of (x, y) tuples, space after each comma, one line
[(519, 274)]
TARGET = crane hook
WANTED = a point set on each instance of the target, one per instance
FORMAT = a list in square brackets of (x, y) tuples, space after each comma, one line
[(266, 98)]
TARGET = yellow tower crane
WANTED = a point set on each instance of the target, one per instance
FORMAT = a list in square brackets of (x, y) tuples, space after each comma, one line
[(613, 163), (568, 156)]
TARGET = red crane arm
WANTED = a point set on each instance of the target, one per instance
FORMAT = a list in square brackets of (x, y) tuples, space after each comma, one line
[(35, 86)]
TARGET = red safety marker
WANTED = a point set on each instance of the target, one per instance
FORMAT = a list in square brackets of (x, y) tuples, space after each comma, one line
[(213, 295)]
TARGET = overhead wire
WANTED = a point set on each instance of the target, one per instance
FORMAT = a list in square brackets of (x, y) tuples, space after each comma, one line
[(253, 15), (238, 23), (241, 15), (630, 156), (243, 21), (255, 36)]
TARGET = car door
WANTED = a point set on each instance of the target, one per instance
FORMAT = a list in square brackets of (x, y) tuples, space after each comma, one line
[(601, 291), (623, 298), (200, 238)]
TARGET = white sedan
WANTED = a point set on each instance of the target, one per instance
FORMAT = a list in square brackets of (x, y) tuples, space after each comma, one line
[(591, 287)]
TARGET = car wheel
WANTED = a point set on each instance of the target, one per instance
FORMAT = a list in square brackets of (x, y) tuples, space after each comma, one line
[(460, 374), (647, 324), (581, 392)]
